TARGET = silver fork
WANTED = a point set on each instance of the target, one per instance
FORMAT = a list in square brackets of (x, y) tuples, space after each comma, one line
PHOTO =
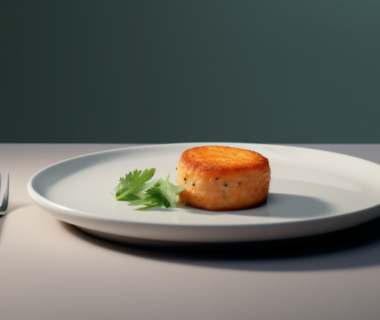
[(4, 197)]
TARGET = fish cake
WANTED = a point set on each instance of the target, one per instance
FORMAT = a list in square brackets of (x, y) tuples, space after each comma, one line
[(223, 178)]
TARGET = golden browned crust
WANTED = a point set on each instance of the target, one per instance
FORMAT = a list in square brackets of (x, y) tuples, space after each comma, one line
[(223, 178), (222, 159)]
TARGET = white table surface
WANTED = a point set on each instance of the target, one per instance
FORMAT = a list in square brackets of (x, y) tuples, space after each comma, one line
[(51, 270)]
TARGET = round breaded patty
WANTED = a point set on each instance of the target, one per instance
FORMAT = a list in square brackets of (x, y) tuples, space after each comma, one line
[(223, 178)]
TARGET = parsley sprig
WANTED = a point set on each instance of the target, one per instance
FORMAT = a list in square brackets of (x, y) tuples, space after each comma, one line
[(136, 189)]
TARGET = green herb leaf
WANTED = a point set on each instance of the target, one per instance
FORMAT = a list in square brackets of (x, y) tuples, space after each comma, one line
[(136, 189), (134, 185), (162, 194)]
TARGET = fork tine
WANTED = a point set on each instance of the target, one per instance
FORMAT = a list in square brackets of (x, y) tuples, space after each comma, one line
[(4, 200)]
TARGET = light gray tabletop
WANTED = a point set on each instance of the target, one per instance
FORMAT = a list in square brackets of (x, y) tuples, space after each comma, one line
[(51, 270)]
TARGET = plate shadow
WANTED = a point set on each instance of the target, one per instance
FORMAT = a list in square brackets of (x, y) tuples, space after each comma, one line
[(355, 247)]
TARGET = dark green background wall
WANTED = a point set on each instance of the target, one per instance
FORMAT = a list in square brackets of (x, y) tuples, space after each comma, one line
[(171, 71)]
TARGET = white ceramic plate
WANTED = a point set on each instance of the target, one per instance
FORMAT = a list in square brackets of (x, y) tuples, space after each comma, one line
[(311, 192)]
